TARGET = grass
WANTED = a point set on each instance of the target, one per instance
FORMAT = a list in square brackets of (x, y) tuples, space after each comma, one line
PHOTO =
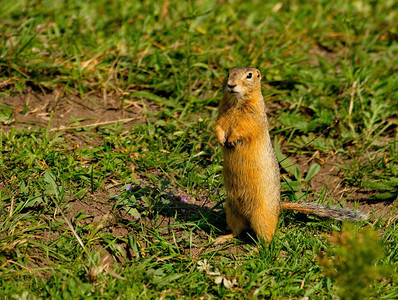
[(130, 211)]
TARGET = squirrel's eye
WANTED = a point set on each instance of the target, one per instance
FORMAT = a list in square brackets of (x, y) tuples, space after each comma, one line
[(249, 75)]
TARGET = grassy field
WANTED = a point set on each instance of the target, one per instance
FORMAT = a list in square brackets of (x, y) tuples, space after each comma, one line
[(110, 179)]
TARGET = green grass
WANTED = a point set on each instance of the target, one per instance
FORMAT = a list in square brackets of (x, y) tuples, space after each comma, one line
[(330, 78)]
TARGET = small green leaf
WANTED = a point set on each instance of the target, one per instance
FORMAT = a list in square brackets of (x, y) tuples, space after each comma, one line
[(6, 114), (291, 185), (133, 212), (52, 187), (384, 185), (314, 169), (296, 173), (383, 196)]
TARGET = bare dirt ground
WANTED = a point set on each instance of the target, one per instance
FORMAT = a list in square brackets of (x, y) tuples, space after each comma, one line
[(72, 111), (63, 112)]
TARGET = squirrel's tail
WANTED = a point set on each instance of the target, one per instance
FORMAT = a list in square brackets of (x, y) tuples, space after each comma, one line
[(325, 211)]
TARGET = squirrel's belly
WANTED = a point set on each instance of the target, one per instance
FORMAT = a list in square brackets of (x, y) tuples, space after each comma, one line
[(251, 176), (247, 160)]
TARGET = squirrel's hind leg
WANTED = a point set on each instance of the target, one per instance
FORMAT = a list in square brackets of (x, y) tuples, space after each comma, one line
[(236, 222), (223, 239), (264, 223)]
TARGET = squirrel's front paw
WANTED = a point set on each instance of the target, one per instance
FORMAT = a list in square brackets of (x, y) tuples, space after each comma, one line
[(220, 134), (230, 144), (221, 141)]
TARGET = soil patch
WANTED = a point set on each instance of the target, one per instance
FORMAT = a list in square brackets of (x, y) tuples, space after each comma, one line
[(62, 111)]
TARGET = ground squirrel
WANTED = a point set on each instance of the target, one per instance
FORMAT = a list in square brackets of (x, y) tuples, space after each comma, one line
[(251, 171)]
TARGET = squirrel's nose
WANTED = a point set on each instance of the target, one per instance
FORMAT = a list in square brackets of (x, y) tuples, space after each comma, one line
[(231, 86)]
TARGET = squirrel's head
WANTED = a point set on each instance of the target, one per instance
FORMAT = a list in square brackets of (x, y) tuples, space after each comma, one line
[(242, 81)]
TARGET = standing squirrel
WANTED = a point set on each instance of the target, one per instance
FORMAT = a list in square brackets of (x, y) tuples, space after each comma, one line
[(251, 171)]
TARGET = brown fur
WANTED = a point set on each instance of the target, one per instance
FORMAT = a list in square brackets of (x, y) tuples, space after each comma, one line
[(251, 171)]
